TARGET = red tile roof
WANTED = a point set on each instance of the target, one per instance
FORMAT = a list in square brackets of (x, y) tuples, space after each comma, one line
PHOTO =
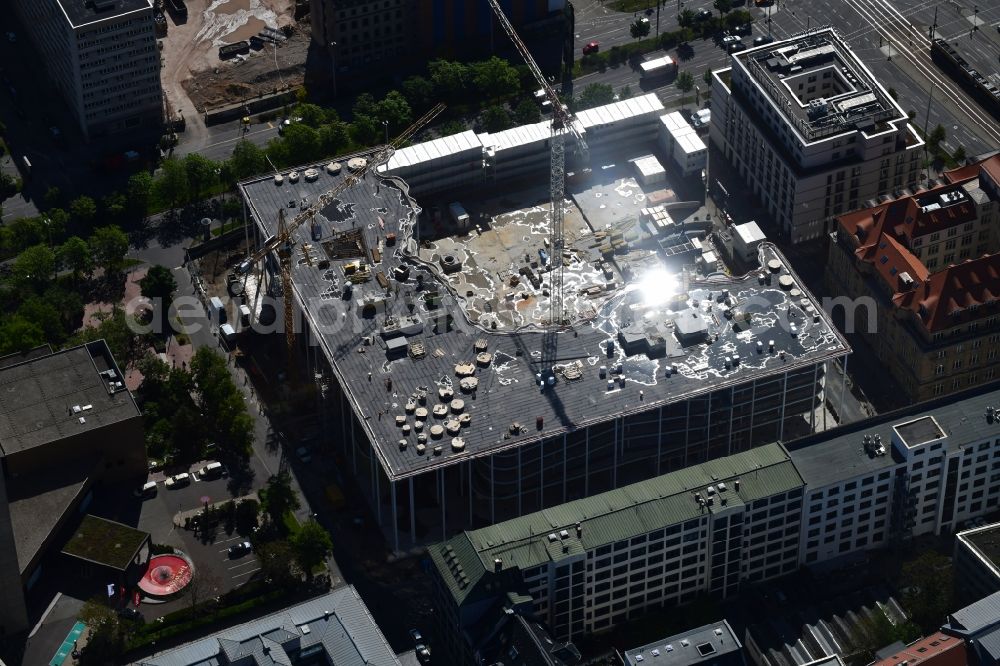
[(937, 650), (941, 300)]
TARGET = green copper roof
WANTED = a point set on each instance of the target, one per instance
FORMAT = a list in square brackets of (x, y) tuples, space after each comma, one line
[(611, 516)]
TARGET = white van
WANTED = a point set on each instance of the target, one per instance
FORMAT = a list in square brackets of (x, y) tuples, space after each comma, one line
[(212, 470), (148, 490), (216, 311), (245, 316), (228, 333)]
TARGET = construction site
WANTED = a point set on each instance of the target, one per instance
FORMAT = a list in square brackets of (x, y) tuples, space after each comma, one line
[(500, 323)]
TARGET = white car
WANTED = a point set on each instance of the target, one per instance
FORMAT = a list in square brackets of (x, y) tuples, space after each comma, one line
[(178, 480)]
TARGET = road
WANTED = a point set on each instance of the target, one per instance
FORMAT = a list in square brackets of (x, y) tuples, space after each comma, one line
[(217, 141)]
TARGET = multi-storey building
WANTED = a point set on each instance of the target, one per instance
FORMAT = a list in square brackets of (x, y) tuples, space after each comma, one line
[(921, 267), (716, 644), (644, 385), (978, 624), (811, 131), (593, 563), (359, 36), (102, 58), (977, 563)]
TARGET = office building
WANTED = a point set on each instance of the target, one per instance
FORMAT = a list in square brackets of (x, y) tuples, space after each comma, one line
[(978, 624), (977, 563), (335, 629), (595, 563), (921, 279), (811, 132), (66, 423), (433, 366), (939, 649), (357, 37), (715, 644), (823, 500), (102, 59)]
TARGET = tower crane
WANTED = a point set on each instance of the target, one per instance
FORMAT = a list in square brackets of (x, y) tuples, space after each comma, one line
[(563, 122), (281, 242)]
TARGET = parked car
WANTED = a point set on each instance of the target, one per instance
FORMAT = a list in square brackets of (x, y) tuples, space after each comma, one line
[(155, 465), (178, 480), (212, 470), (728, 40), (592, 47), (704, 14), (416, 636), (239, 550), (738, 46), (147, 490), (763, 39), (423, 654)]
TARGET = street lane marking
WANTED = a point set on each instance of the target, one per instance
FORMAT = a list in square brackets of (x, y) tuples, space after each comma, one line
[(246, 573), (251, 561)]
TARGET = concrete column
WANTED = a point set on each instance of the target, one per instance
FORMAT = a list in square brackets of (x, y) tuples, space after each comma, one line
[(614, 458), (395, 521), (378, 490), (564, 468), (784, 401), (493, 496), (753, 407), (469, 489), (586, 463), (444, 503), (541, 474), (812, 401), (732, 399), (413, 515), (687, 433), (519, 481), (659, 441), (843, 392)]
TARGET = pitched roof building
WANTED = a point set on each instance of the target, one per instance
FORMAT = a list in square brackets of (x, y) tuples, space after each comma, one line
[(929, 265), (979, 625), (940, 649)]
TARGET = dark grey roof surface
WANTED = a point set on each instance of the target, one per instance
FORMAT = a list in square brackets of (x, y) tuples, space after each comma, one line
[(918, 431), (37, 397), (838, 454), (711, 644), (82, 12), (339, 621), (507, 389), (987, 541)]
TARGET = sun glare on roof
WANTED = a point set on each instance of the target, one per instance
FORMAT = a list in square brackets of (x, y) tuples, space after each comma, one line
[(656, 286)]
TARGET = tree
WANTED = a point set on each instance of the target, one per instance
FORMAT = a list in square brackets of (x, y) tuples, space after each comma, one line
[(723, 6), (449, 78), (221, 401), (596, 94), (893, 94), (311, 545), (277, 563), (247, 160), (301, 143), (395, 110), (35, 266), (204, 585), (121, 332), (419, 92), (496, 78), (312, 114), (278, 498), (686, 18), (159, 285), (247, 517), (115, 206), (639, 28), (451, 127), (83, 209), (526, 113), (75, 255), (201, 174), (936, 138), (959, 155), (171, 186), (365, 130), (364, 105), (684, 83), (625, 92), (17, 334), (334, 137), (496, 119), (44, 315), (927, 585), (53, 197), (109, 245), (106, 638), (138, 192)]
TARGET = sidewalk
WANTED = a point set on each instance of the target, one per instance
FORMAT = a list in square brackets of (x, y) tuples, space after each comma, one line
[(191, 513)]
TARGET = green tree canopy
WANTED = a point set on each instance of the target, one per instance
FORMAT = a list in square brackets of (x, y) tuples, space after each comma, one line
[(277, 563), (83, 209), (248, 159), (221, 401), (596, 94), (201, 174), (138, 193), (311, 546), (364, 105), (395, 110), (365, 130), (171, 186), (496, 78), (722, 6), (496, 119), (639, 29), (17, 334), (449, 78), (121, 333), (301, 143), (159, 283), (278, 498), (109, 245), (334, 137), (527, 112), (312, 114), (34, 267), (419, 92)]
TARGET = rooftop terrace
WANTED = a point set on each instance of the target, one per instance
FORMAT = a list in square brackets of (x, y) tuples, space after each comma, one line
[(422, 346), (81, 12), (105, 542)]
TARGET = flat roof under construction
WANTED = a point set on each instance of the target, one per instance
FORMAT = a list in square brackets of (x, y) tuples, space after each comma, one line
[(385, 364)]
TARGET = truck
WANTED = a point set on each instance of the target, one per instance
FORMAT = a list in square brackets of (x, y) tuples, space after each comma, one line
[(458, 214), (657, 67), (216, 311)]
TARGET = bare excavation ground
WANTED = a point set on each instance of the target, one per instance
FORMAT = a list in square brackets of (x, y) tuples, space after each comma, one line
[(195, 79)]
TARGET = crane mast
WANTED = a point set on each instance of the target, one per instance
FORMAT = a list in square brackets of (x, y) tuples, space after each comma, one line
[(562, 123)]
